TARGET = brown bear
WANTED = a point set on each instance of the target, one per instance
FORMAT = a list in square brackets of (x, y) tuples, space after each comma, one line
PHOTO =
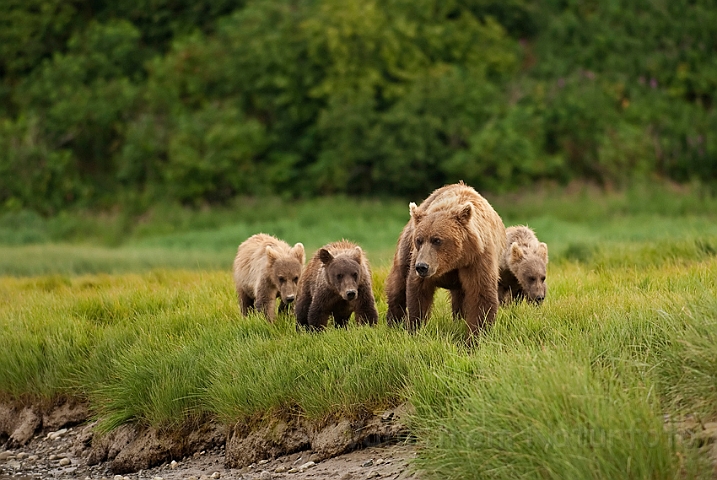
[(266, 268), (453, 240), (523, 267), (336, 281)]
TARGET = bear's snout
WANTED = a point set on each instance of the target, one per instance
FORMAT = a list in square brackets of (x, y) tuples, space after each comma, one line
[(350, 294), (289, 298), (422, 269), (539, 299)]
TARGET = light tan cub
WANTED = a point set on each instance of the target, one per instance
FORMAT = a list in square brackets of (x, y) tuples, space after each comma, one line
[(265, 269), (523, 267)]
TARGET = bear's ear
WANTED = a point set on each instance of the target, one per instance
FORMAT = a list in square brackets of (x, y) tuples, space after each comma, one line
[(464, 213), (516, 253), (271, 254), (416, 214), (543, 251), (298, 251), (357, 255), (325, 256)]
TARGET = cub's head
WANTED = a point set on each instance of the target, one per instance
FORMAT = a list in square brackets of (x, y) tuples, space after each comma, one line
[(286, 270), (438, 238), (343, 271), (528, 264)]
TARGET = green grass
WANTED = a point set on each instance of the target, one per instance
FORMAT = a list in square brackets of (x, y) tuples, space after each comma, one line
[(578, 388)]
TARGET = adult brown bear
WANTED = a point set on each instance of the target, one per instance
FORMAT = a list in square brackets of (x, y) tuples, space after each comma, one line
[(454, 240)]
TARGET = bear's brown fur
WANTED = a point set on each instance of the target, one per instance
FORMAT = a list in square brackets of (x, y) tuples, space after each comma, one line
[(336, 281), (266, 268), (523, 267), (453, 240)]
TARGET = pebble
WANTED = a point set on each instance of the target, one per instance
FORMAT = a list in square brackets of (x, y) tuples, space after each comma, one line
[(347, 476), (264, 475), (157, 478), (192, 477), (65, 462), (22, 455), (380, 461), (216, 475), (262, 462), (6, 455), (56, 435), (367, 463), (173, 464), (281, 469), (54, 457), (14, 464), (306, 466), (373, 474)]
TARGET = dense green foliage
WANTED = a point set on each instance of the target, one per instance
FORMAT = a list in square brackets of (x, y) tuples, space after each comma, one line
[(204, 101)]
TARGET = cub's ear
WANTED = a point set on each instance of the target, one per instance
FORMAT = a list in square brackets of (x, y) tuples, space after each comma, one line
[(357, 255), (543, 251), (271, 254), (325, 256), (416, 214), (516, 253), (299, 253), (464, 213)]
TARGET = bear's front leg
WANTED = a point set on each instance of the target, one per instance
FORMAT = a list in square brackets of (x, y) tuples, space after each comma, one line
[(246, 302), (480, 304), (458, 299), (301, 309), (318, 315), (266, 303), (419, 299), (366, 308), (396, 297)]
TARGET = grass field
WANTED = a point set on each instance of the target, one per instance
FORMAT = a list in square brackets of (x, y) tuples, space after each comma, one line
[(593, 384)]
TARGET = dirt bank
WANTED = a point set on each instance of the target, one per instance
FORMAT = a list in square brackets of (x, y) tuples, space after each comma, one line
[(56, 441)]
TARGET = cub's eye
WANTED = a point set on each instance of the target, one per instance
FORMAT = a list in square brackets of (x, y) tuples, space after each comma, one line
[(542, 279), (436, 241), (282, 280), (419, 242), (296, 279), (355, 276), (532, 279), (340, 276)]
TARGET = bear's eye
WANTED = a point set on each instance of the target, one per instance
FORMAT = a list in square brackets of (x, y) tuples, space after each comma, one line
[(532, 279), (419, 241), (542, 279), (296, 279), (340, 276), (282, 279), (355, 276), (436, 241)]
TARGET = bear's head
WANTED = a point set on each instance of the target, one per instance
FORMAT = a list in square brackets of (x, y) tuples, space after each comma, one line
[(286, 269), (438, 238), (343, 271), (528, 264)]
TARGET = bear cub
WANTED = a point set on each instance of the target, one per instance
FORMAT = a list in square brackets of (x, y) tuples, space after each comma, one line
[(336, 281), (266, 268), (523, 267)]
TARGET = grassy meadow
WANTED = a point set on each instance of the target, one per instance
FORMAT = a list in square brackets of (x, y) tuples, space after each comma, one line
[(137, 315)]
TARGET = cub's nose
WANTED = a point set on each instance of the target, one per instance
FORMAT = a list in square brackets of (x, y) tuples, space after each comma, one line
[(422, 269), (290, 298), (350, 294), (539, 300)]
